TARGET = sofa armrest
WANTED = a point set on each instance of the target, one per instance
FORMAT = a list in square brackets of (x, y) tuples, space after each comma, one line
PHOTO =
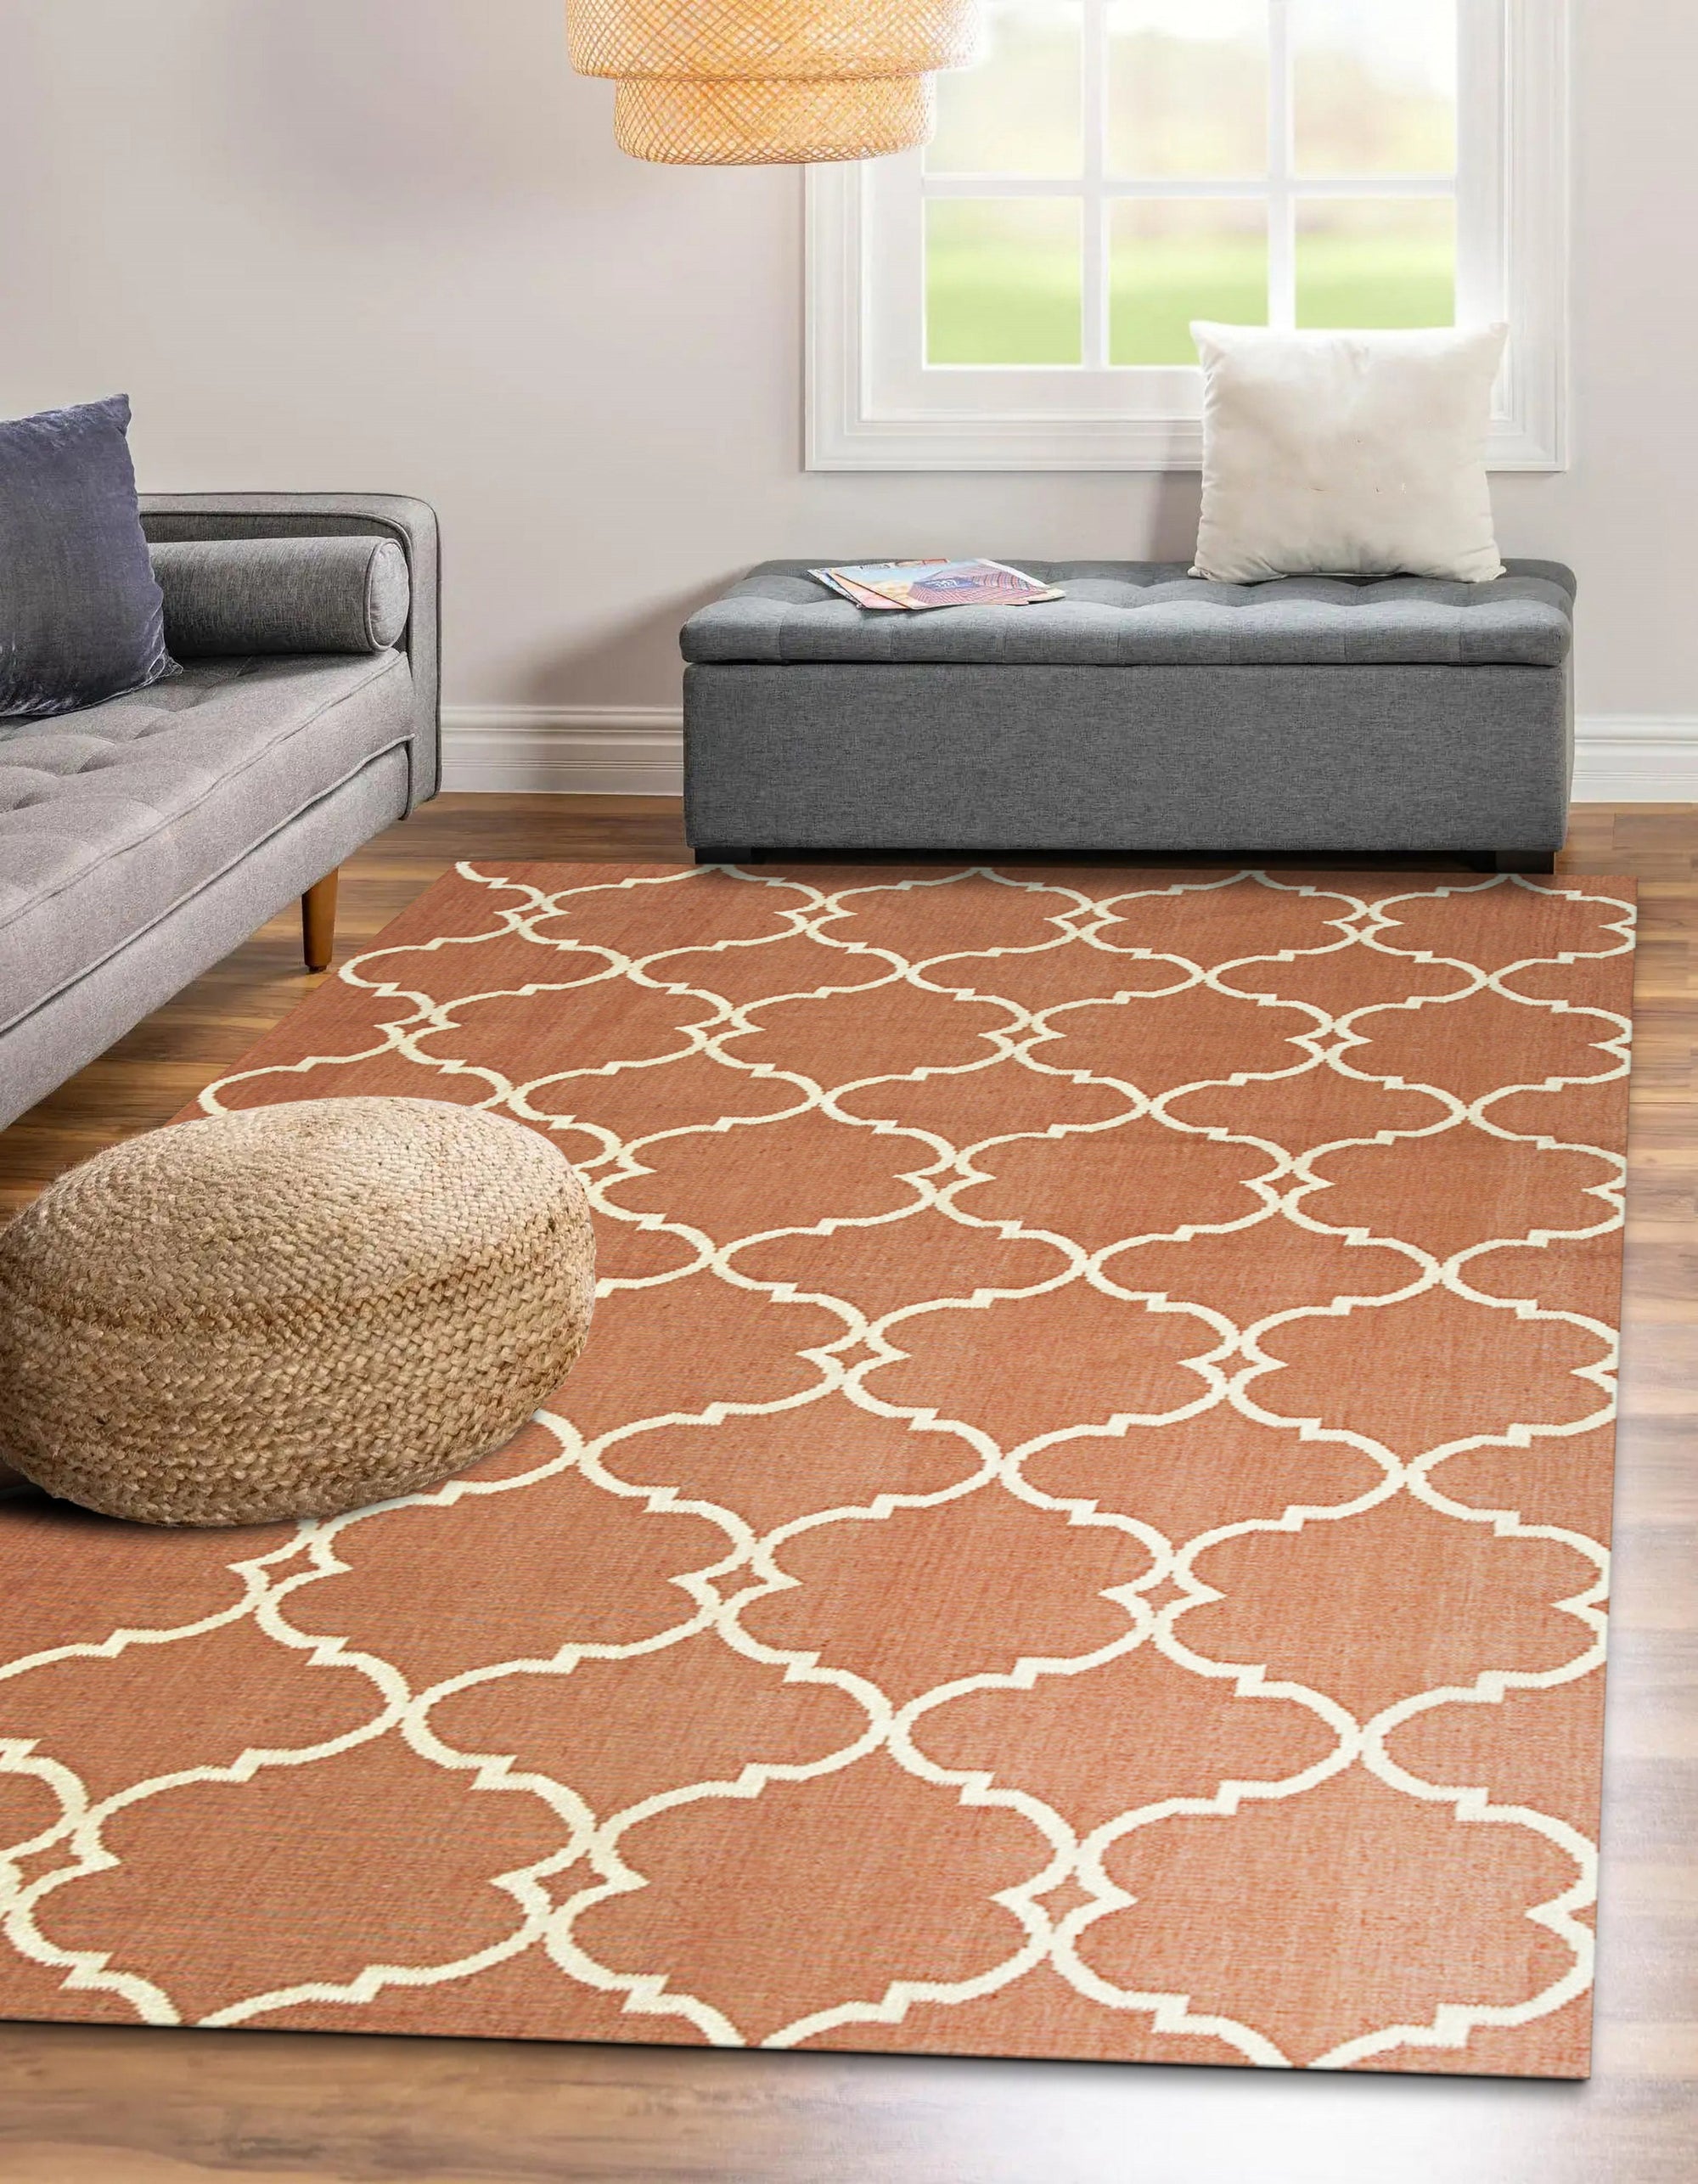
[(167, 517)]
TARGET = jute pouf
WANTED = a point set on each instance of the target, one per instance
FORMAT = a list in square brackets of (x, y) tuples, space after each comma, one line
[(289, 1312)]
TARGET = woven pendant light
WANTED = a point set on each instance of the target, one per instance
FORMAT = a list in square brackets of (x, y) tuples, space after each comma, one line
[(771, 82), (692, 121)]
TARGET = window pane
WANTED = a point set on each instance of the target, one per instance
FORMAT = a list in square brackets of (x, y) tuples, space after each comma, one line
[(1188, 87), (1376, 262), (1374, 86), (1003, 281), (1172, 262), (1020, 111)]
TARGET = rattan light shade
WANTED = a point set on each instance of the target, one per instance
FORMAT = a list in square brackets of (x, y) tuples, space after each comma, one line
[(771, 82), (688, 122), (768, 40)]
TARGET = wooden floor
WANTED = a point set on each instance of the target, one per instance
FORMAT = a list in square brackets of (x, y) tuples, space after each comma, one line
[(110, 2106)]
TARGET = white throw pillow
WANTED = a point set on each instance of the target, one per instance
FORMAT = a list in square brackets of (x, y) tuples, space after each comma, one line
[(1347, 454)]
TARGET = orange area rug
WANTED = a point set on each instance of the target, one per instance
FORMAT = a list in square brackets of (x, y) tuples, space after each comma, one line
[(1081, 1530)]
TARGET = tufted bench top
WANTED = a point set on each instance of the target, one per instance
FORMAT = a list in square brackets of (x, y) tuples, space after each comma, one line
[(1122, 614)]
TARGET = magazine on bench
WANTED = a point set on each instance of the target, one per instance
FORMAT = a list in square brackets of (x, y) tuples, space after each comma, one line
[(918, 587)]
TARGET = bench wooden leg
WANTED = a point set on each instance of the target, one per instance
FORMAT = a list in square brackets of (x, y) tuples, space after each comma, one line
[(318, 922)]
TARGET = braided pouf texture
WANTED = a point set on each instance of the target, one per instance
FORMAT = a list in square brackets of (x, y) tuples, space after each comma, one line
[(291, 1311)]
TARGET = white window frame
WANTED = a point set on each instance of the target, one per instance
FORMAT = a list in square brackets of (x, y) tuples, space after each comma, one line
[(873, 403)]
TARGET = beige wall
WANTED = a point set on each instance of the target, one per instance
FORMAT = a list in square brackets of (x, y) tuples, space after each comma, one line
[(388, 242)]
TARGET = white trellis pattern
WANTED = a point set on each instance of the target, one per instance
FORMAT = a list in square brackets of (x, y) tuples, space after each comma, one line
[(1081, 1528)]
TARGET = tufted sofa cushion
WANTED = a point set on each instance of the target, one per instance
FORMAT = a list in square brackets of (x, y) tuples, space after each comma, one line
[(1123, 613), (110, 816)]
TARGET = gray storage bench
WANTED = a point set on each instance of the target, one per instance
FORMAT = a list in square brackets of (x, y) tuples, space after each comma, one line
[(1148, 711)]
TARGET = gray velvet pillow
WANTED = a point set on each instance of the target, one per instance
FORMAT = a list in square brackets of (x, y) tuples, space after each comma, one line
[(81, 617)]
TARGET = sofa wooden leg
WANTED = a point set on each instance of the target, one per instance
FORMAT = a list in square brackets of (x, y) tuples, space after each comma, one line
[(318, 922), (1526, 860)]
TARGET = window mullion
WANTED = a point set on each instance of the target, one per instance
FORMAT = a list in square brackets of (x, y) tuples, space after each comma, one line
[(1094, 57), (1482, 183), (875, 404), (1282, 205)]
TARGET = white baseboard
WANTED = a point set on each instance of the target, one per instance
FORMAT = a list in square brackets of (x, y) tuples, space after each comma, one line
[(1632, 758), (637, 751), (603, 750)]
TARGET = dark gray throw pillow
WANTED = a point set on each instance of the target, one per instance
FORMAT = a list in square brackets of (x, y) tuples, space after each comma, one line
[(81, 617)]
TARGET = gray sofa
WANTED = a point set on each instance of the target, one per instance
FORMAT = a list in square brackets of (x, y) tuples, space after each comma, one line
[(142, 839), (1148, 711)]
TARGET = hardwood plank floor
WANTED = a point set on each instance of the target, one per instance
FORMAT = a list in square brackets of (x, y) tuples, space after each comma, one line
[(96, 2105)]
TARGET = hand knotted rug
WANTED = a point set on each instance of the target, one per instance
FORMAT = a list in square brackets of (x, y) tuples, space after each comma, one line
[(1081, 1529)]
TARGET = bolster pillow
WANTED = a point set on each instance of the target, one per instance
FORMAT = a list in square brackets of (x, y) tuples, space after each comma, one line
[(231, 596)]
